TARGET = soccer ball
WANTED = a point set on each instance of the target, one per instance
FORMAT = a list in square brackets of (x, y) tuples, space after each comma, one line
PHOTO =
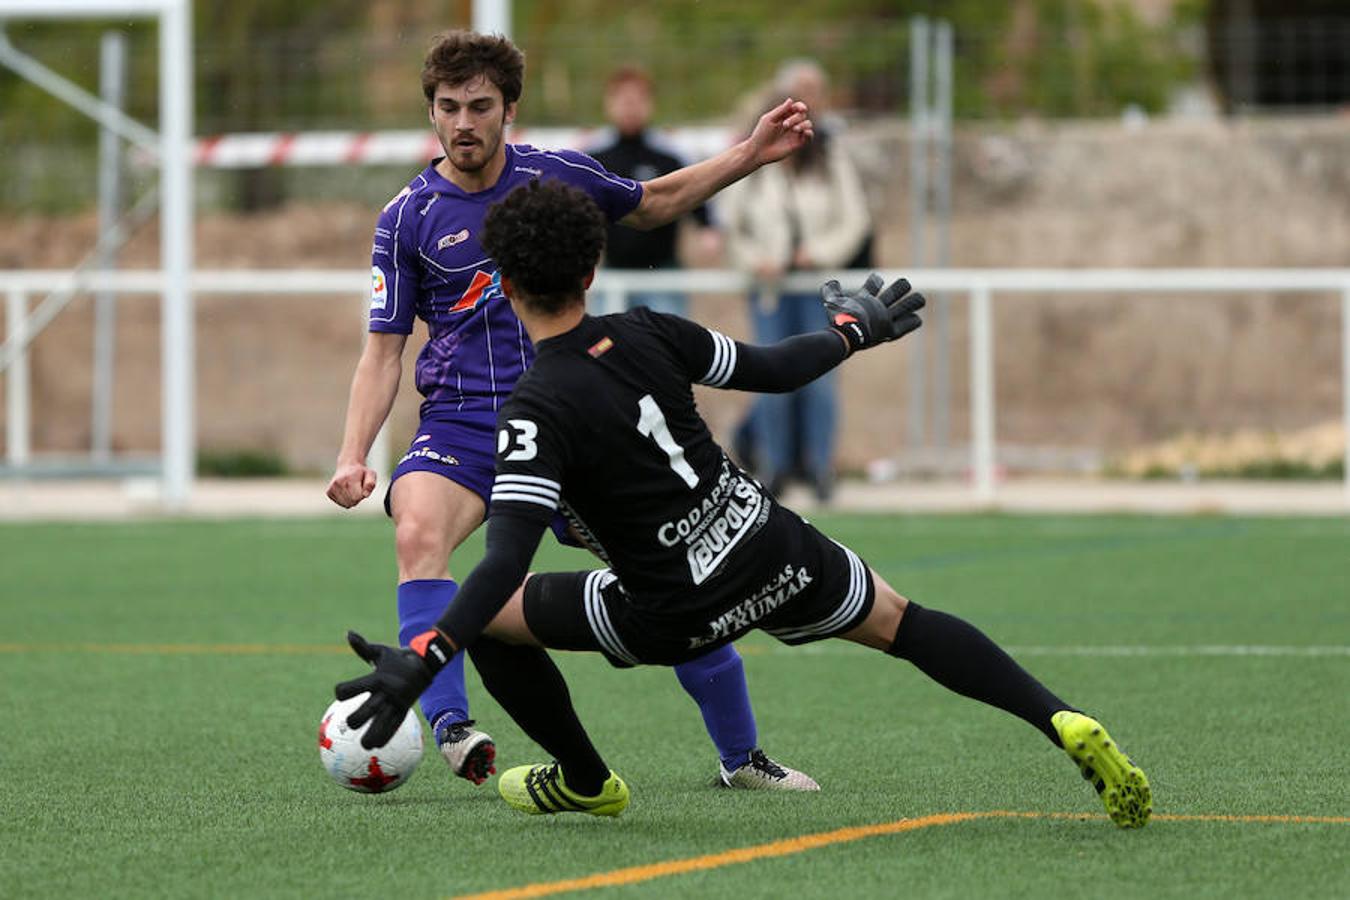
[(354, 767)]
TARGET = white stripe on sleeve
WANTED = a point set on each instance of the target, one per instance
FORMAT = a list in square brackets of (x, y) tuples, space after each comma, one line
[(526, 489), (723, 361)]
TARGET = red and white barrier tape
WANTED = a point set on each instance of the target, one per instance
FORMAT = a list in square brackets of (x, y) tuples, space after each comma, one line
[(372, 148)]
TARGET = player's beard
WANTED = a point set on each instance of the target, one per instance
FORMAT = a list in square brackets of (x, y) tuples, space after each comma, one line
[(473, 159)]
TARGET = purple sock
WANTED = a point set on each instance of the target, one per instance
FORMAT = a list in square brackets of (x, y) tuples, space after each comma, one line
[(716, 681), (420, 604)]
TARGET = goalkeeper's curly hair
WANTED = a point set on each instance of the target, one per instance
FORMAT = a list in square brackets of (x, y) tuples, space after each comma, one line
[(547, 238)]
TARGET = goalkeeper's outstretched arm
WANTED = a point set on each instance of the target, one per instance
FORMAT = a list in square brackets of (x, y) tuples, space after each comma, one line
[(858, 320)]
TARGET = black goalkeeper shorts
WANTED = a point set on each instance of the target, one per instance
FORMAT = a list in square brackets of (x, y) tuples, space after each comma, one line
[(804, 587)]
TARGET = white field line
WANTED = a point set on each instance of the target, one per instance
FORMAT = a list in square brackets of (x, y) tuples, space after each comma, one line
[(1191, 650), (1180, 650)]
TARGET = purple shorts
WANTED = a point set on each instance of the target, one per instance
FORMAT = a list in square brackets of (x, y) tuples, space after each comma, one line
[(462, 450)]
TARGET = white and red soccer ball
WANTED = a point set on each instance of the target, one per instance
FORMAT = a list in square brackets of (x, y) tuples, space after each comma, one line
[(373, 771)]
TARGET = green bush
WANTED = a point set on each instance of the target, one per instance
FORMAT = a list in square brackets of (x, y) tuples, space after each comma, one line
[(1257, 470), (241, 464)]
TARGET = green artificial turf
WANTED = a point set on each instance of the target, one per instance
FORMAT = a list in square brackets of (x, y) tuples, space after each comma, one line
[(180, 760)]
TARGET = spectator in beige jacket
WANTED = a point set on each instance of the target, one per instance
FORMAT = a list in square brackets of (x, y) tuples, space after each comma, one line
[(808, 214)]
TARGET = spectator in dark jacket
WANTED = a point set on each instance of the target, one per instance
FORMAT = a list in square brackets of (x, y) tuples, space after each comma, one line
[(631, 149)]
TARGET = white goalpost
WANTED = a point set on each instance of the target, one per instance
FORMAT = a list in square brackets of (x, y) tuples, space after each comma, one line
[(172, 145)]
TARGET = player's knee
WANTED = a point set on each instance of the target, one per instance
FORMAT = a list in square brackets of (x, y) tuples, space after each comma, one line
[(890, 608), (878, 629), (509, 625), (420, 547)]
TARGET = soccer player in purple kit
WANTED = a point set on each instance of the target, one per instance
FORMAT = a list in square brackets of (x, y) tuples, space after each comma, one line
[(427, 263)]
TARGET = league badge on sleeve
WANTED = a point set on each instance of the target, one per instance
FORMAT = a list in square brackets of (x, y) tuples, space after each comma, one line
[(379, 289)]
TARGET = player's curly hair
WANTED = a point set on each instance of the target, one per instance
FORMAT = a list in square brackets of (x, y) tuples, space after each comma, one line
[(547, 238), (459, 56)]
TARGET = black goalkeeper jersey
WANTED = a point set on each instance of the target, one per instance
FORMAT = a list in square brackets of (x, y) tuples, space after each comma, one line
[(603, 428), (627, 458)]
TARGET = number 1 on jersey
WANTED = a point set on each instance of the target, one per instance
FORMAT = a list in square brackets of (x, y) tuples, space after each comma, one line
[(652, 424)]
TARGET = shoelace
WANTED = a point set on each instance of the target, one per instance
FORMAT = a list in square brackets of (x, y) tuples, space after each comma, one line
[(544, 785), (455, 731), (542, 776), (763, 764)]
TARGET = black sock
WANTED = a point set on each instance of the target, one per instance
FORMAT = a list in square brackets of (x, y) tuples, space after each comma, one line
[(530, 688), (961, 658)]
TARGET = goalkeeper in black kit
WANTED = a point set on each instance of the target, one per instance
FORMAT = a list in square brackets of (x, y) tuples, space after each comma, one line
[(603, 429)]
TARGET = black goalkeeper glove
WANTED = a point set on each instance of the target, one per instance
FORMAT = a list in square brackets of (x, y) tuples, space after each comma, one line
[(864, 319), (400, 677)]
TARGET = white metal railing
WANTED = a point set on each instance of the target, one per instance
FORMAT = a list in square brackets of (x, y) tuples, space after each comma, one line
[(171, 144), (611, 287)]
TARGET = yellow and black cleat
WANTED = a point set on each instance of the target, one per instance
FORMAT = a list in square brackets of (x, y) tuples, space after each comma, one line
[(540, 790), (1122, 785)]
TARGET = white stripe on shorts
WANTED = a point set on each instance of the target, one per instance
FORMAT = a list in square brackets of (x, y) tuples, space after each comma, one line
[(854, 598), (598, 615)]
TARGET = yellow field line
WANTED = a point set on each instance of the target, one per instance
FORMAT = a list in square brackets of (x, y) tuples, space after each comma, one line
[(787, 846)]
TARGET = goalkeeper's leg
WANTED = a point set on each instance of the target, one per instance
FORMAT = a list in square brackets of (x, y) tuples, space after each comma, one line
[(527, 684), (963, 659)]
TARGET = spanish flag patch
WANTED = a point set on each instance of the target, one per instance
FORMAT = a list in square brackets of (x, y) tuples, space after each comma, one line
[(600, 347)]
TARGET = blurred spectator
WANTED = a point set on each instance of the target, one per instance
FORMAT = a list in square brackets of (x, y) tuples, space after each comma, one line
[(809, 213), (631, 150)]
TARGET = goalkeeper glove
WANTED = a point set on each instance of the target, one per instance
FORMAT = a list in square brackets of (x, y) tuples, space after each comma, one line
[(400, 677), (865, 319)]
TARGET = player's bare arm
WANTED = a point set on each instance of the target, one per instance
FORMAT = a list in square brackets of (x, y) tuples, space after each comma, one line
[(374, 387), (779, 132)]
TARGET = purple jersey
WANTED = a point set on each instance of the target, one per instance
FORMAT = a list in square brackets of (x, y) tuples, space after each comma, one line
[(427, 263)]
